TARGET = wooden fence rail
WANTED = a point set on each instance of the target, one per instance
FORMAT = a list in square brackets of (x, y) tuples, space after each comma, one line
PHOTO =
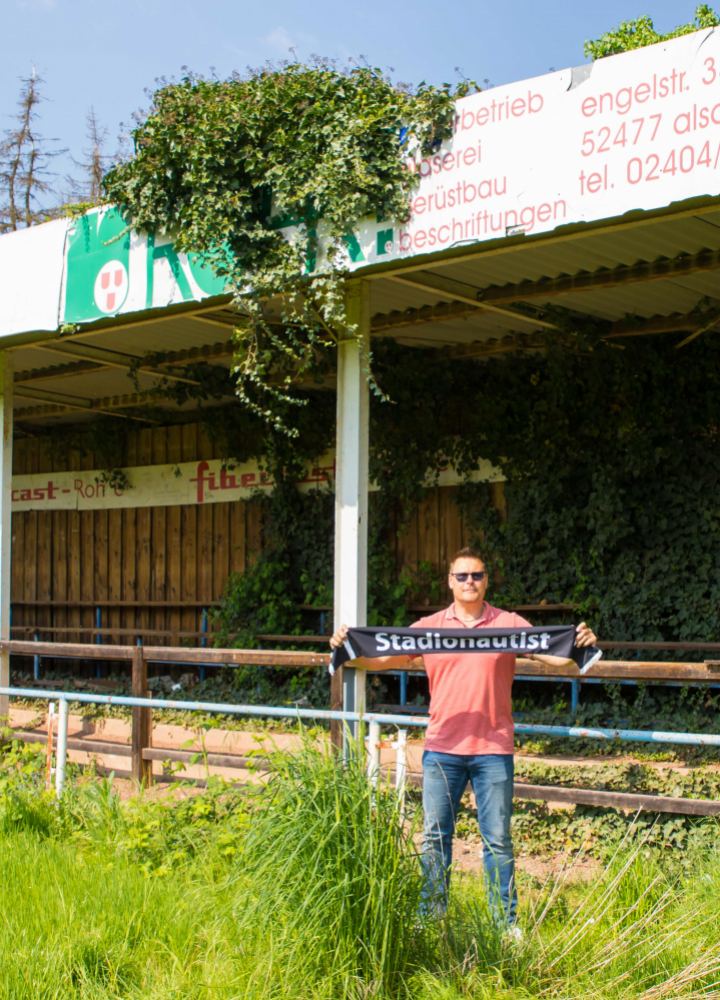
[(142, 753)]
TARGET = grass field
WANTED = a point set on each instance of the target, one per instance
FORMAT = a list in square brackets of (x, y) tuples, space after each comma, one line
[(309, 889)]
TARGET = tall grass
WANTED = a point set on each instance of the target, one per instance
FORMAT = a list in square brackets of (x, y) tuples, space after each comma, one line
[(309, 888)]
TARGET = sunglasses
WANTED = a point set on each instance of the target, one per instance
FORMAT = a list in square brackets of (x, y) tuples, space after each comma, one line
[(477, 576)]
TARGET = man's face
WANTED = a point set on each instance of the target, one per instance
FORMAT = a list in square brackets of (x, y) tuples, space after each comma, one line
[(469, 591)]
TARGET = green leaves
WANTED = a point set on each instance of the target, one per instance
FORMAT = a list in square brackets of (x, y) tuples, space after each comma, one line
[(222, 164), (641, 31)]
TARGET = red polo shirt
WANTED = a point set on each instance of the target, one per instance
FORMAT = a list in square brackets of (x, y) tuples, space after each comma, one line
[(470, 703)]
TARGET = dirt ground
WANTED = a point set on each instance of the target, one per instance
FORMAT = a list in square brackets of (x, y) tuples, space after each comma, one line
[(467, 858)]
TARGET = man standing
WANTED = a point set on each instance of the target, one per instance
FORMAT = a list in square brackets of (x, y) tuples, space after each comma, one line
[(470, 736)]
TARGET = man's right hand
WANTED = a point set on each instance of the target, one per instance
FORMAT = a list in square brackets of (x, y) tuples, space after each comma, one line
[(337, 640)]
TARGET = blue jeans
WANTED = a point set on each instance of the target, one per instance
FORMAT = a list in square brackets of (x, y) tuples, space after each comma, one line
[(445, 778)]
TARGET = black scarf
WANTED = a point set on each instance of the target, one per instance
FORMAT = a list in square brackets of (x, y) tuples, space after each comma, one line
[(554, 640)]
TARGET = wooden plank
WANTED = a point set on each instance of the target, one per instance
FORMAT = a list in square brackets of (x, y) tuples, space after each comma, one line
[(88, 746), (129, 527), (189, 535), (30, 540), (129, 568), (44, 543), (221, 548), (197, 634), (254, 536), (336, 705), (205, 529), (60, 564), (19, 446), (158, 552), (141, 737), (115, 567), (115, 604), (60, 545), (243, 657), (74, 568), (214, 759), (44, 565), (17, 580), (87, 554), (450, 525), (74, 543), (101, 590), (143, 522), (407, 543), (238, 536), (624, 670), (159, 529), (616, 800), (429, 529), (30, 557), (173, 588), (45, 455), (143, 519)]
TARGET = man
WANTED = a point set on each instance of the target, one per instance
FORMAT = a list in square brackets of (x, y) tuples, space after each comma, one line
[(470, 736)]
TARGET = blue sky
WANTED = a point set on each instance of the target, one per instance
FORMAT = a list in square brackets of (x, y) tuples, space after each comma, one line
[(106, 52)]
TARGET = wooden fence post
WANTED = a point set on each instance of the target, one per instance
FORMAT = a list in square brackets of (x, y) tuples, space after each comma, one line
[(336, 704), (141, 719)]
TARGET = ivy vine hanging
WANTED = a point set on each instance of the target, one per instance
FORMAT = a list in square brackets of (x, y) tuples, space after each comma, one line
[(221, 165)]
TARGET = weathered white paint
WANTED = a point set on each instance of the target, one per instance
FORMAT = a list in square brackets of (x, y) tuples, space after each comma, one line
[(31, 271), (351, 487), (6, 437)]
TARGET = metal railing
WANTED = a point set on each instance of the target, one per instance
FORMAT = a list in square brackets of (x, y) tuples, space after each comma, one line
[(142, 753), (375, 721)]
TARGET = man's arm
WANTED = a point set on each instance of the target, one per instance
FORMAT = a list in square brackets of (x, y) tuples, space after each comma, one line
[(585, 637), (365, 662)]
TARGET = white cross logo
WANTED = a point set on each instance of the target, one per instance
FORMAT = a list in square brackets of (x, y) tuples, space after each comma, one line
[(111, 286)]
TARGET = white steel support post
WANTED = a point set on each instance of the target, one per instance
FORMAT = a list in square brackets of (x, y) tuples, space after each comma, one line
[(351, 485), (6, 436)]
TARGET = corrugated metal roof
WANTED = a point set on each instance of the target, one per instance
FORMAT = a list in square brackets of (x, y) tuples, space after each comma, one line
[(504, 264)]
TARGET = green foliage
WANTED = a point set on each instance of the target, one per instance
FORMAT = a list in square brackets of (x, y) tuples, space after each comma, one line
[(673, 838), (613, 468), (641, 31), (346, 873), (309, 887), (223, 164), (619, 514)]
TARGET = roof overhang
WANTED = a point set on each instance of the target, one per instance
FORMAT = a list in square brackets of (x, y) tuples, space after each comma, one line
[(629, 235)]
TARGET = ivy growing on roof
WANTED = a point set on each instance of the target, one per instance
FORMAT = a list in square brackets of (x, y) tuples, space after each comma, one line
[(638, 33), (221, 165)]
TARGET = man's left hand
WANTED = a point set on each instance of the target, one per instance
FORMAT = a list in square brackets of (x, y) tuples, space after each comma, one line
[(585, 635)]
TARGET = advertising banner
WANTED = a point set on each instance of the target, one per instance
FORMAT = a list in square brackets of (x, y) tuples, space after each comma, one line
[(640, 130), (201, 482), (31, 271)]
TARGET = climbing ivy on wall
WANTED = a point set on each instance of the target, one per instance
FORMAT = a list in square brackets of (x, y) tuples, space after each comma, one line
[(611, 454)]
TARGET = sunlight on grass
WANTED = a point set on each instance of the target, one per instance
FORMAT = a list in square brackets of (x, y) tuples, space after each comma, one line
[(309, 889)]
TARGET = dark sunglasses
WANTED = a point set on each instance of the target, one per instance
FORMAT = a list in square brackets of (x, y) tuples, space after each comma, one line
[(477, 576)]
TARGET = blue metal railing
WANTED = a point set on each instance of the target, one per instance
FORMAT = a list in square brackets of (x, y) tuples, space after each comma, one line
[(279, 711)]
